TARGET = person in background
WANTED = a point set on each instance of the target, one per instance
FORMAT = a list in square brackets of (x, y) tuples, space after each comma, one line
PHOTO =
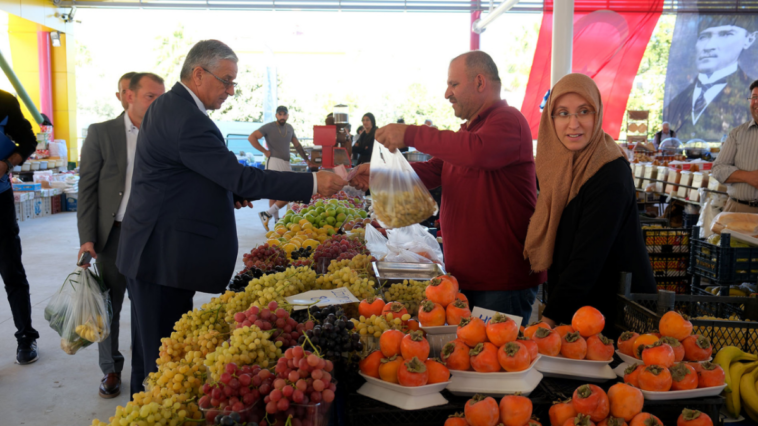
[(15, 129), (354, 156), (663, 134), (123, 86), (586, 229), (428, 122), (365, 145), (174, 240), (737, 163), (279, 135), (105, 185), (486, 171)]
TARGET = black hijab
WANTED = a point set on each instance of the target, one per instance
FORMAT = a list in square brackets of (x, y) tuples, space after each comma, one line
[(366, 141)]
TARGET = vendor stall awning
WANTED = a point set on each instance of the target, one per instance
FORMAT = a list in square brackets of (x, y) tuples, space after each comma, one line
[(670, 6)]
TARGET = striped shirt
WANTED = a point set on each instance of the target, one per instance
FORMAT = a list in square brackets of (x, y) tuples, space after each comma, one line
[(739, 152)]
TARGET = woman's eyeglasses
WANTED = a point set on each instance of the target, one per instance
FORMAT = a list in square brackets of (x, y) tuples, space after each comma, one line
[(582, 115)]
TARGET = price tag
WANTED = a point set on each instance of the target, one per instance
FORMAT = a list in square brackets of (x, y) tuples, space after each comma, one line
[(337, 296), (486, 315)]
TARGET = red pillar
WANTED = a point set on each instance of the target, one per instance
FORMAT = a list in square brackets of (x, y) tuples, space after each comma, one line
[(45, 74), (474, 36)]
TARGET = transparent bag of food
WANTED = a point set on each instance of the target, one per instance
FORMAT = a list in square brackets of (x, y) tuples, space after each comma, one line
[(399, 197), (80, 312)]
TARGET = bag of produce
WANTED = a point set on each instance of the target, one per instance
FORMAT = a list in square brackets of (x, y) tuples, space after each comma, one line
[(376, 243), (744, 223), (399, 197), (80, 311), (417, 239)]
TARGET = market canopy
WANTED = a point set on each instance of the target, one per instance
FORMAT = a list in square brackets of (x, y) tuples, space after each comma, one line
[(461, 6)]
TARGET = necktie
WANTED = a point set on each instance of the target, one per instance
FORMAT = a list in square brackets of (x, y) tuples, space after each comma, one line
[(700, 102)]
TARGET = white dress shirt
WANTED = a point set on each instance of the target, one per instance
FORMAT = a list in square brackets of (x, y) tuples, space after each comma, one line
[(201, 106), (711, 93), (131, 147)]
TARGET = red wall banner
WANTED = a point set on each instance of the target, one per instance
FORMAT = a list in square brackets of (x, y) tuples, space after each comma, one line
[(610, 38)]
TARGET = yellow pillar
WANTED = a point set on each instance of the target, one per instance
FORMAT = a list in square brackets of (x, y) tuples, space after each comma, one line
[(64, 95), (23, 40)]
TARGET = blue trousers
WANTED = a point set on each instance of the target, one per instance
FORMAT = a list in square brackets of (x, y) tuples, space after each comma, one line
[(513, 302)]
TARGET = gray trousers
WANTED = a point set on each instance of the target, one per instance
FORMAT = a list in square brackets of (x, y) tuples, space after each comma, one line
[(111, 360)]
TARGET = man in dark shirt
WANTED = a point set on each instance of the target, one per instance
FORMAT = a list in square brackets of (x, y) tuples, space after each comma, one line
[(15, 128)]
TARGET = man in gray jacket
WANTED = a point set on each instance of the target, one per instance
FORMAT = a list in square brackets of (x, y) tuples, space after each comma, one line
[(104, 189)]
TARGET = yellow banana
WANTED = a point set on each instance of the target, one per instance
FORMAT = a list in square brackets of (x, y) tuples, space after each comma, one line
[(726, 356), (736, 371), (749, 394)]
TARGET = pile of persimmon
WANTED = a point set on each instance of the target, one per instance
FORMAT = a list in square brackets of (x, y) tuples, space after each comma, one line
[(663, 370), (581, 340), (404, 359), (513, 410), (489, 348), (676, 331), (590, 405), (443, 304)]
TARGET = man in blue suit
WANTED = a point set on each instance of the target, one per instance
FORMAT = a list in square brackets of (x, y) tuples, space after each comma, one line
[(179, 235)]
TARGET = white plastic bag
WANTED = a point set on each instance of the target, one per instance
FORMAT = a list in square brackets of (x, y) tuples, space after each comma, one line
[(80, 311), (376, 243), (402, 255), (709, 209), (417, 240), (399, 197)]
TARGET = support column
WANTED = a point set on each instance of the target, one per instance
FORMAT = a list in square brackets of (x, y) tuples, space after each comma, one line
[(64, 95), (45, 75), (474, 44), (563, 39)]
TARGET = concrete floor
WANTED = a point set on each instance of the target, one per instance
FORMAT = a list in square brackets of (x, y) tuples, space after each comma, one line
[(61, 389)]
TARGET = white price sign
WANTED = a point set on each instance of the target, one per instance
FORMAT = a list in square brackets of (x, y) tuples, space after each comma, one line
[(337, 296), (486, 315)]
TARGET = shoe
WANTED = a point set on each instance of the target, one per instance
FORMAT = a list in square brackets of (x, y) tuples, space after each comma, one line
[(27, 353), (265, 217), (110, 386)]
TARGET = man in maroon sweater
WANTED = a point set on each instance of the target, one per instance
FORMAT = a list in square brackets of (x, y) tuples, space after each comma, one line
[(487, 173)]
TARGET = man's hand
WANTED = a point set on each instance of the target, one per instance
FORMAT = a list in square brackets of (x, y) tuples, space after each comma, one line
[(238, 205), (312, 164), (361, 178), (3, 168), (86, 247), (329, 183), (267, 154), (392, 136), (548, 321)]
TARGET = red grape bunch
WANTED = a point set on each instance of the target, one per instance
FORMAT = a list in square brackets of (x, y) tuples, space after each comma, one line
[(238, 389), (283, 327), (338, 247), (266, 258)]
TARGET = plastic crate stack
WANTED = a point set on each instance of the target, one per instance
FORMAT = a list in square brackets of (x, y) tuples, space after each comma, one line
[(722, 264), (669, 252)]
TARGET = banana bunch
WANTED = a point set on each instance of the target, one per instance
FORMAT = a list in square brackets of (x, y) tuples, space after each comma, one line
[(741, 375), (93, 330)]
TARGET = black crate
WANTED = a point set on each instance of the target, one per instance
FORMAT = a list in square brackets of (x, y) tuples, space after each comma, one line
[(690, 220), (678, 285), (667, 240), (721, 263), (669, 265)]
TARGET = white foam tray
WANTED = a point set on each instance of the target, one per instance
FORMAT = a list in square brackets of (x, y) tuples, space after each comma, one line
[(686, 394), (465, 383), (592, 371), (443, 329), (406, 398)]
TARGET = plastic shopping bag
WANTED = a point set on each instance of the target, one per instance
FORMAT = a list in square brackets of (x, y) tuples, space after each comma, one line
[(399, 197), (417, 239), (80, 311), (376, 243)]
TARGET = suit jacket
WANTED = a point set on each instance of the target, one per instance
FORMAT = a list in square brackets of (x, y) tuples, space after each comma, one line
[(180, 230), (727, 110), (102, 180)]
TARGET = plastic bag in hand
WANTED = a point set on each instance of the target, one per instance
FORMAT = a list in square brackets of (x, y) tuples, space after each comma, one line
[(399, 197), (80, 311)]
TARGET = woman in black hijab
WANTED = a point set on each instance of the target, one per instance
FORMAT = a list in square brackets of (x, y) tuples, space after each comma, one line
[(365, 145)]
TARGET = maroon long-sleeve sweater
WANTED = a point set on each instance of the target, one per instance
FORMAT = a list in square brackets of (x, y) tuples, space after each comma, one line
[(489, 191)]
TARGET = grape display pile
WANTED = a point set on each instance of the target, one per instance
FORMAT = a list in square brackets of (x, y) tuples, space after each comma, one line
[(338, 247), (266, 258), (275, 319)]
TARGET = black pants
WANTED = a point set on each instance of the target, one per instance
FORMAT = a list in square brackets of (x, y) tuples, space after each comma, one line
[(12, 270), (155, 310), (110, 358)]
